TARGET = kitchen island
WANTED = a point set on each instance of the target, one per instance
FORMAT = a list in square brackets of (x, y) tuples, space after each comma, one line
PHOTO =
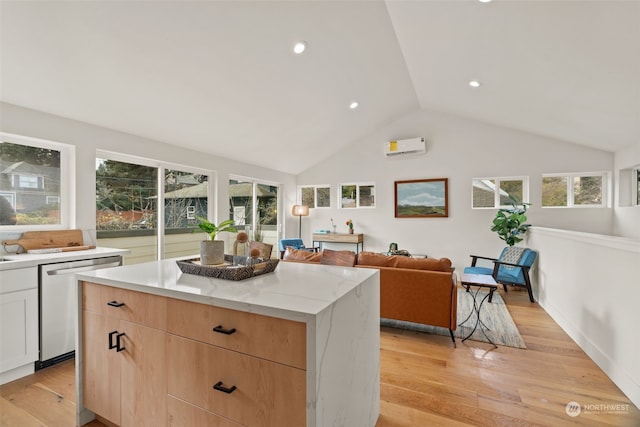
[(299, 346)]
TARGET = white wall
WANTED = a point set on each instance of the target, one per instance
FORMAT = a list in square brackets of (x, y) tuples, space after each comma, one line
[(88, 138), (627, 218), (588, 284), (457, 149)]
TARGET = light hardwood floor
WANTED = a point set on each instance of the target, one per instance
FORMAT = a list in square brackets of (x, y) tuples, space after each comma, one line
[(424, 382)]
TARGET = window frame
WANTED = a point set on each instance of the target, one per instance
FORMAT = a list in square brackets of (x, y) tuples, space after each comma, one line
[(315, 195), (636, 185), (67, 181), (496, 190), (357, 191), (161, 167), (605, 189), (255, 203)]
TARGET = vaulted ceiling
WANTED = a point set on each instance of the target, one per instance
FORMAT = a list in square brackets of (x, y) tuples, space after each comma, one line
[(221, 77)]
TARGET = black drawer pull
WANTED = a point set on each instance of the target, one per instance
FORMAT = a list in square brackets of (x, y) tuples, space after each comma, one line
[(222, 330), (111, 344), (119, 347), (115, 303), (218, 386)]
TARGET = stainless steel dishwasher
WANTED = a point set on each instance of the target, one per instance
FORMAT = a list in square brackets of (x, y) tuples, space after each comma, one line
[(58, 306)]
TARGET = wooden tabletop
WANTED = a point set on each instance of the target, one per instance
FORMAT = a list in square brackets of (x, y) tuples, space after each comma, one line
[(338, 237)]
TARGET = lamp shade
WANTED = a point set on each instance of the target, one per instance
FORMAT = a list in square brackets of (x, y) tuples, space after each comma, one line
[(300, 210)]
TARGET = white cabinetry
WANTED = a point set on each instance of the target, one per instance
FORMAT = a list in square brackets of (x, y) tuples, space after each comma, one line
[(18, 322)]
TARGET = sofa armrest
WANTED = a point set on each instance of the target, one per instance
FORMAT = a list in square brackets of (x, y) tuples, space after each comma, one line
[(419, 296)]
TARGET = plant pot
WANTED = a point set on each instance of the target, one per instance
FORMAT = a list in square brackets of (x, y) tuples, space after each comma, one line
[(211, 252), (351, 231)]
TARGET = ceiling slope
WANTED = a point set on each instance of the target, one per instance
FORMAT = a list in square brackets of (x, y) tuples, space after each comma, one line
[(565, 69), (220, 77)]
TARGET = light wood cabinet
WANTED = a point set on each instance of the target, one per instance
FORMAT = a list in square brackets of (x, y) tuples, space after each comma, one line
[(183, 414), (124, 362), (299, 347), (243, 367), (243, 388), (251, 368), (271, 338)]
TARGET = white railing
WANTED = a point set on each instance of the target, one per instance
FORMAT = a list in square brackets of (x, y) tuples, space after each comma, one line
[(589, 284), (144, 248)]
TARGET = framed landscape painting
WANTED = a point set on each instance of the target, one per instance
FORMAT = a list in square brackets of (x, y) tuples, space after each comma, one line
[(422, 198)]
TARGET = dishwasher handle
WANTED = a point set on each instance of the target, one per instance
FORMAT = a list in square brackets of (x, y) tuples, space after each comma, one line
[(74, 270)]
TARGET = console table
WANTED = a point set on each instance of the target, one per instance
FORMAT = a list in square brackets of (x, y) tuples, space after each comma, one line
[(354, 239)]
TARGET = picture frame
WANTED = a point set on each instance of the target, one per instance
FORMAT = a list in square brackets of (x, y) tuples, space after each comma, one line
[(422, 198)]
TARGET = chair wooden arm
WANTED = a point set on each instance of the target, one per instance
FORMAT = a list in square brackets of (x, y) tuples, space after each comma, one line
[(474, 259), (498, 263)]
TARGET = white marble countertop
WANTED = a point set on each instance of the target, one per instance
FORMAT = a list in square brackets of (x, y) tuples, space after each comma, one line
[(23, 260), (295, 290)]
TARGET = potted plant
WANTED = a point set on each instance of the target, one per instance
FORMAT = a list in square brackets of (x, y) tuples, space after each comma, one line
[(212, 251), (349, 224), (510, 223)]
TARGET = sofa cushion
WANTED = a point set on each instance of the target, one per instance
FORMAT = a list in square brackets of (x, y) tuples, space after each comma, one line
[(291, 254), (342, 258), (378, 260)]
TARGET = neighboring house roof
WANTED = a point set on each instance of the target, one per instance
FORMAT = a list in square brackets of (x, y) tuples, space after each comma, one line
[(192, 192), (243, 189), (24, 168)]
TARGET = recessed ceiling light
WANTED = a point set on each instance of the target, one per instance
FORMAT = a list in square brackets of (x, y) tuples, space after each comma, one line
[(484, 1), (299, 47), (353, 105), (474, 83)]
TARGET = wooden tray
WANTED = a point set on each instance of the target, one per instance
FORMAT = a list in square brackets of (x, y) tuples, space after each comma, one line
[(229, 271)]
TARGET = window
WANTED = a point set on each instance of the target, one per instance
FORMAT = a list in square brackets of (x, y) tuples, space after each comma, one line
[(574, 190), (629, 187), (496, 192), (36, 178), (315, 196), (191, 212), (357, 195), (253, 206), (30, 181), (149, 207)]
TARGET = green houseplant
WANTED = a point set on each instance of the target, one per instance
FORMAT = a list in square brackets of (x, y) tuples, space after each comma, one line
[(212, 251), (510, 223)]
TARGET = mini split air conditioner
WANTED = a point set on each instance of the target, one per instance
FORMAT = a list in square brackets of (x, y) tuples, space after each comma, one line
[(405, 146)]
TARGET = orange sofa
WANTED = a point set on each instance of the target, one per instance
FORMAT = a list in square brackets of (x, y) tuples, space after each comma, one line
[(419, 290)]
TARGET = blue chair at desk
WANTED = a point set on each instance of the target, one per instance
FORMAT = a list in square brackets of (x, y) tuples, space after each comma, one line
[(283, 244)]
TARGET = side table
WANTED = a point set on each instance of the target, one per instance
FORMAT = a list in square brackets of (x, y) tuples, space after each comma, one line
[(480, 281), (354, 239)]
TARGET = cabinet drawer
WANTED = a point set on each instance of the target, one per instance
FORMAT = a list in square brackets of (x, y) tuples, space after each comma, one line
[(258, 392), (270, 338), (181, 414), (137, 307), (19, 279)]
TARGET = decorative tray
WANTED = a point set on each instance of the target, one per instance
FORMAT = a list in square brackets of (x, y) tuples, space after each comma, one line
[(230, 270)]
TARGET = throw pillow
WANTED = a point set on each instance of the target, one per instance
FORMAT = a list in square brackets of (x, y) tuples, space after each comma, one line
[(301, 255)]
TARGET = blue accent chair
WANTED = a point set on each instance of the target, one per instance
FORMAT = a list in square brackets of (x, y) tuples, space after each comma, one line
[(507, 273), (295, 244)]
